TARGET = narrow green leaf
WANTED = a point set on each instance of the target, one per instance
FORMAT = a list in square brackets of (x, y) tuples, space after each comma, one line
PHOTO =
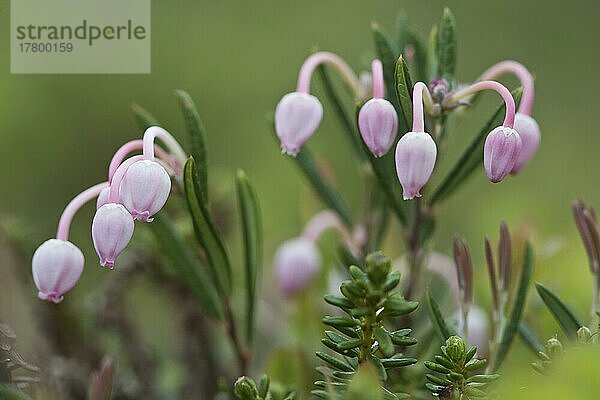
[(530, 338), (432, 53), (334, 362), (344, 117), (181, 257), (472, 157), (403, 91), (144, 118), (387, 53), (252, 232), (514, 318), (197, 134), (442, 329), (385, 342), (446, 47), (206, 232), (561, 313), (305, 160)]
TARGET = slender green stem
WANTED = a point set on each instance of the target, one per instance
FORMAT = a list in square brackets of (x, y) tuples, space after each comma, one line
[(242, 354)]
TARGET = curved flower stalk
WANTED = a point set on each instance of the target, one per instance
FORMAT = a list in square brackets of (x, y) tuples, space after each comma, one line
[(57, 264), (527, 127), (298, 114), (503, 144), (298, 260), (416, 151)]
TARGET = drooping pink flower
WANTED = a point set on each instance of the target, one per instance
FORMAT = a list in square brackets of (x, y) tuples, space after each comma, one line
[(112, 229), (297, 117), (145, 189), (297, 261), (103, 197), (416, 153), (500, 152), (529, 131), (56, 267)]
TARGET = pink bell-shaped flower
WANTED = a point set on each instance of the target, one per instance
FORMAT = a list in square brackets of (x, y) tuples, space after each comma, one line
[(297, 117), (112, 230), (529, 131), (56, 267), (500, 152), (145, 189), (378, 124), (297, 262), (415, 158)]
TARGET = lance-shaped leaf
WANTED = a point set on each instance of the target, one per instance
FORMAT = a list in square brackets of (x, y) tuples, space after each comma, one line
[(420, 54), (561, 313), (252, 232), (344, 117), (143, 117), (387, 53), (206, 232), (446, 47), (530, 338), (471, 158), (443, 330), (197, 134), (432, 53), (403, 90), (181, 257), (514, 318)]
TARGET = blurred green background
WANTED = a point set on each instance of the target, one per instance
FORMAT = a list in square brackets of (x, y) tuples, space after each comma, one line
[(237, 58)]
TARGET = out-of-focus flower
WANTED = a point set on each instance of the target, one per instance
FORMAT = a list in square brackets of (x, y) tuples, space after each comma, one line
[(297, 262)]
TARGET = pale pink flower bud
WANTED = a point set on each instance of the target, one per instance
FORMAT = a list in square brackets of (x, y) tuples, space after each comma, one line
[(529, 131), (297, 262), (112, 229), (56, 267), (500, 152), (103, 197), (415, 158), (297, 117), (145, 189), (378, 123)]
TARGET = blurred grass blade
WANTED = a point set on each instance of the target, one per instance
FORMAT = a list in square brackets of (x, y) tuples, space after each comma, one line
[(432, 53), (472, 157), (180, 256), (328, 195), (514, 318), (197, 134), (420, 55), (403, 90), (143, 117), (9, 393), (443, 330), (252, 232), (387, 53), (344, 117), (206, 232), (561, 313), (530, 338), (446, 48)]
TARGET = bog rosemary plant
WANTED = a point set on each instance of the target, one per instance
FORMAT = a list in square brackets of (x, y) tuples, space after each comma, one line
[(455, 372), (368, 299)]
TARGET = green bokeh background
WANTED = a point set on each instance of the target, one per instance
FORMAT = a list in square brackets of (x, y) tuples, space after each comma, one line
[(237, 58)]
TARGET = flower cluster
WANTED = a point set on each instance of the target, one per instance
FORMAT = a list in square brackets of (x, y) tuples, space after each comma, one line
[(137, 188), (508, 148)]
